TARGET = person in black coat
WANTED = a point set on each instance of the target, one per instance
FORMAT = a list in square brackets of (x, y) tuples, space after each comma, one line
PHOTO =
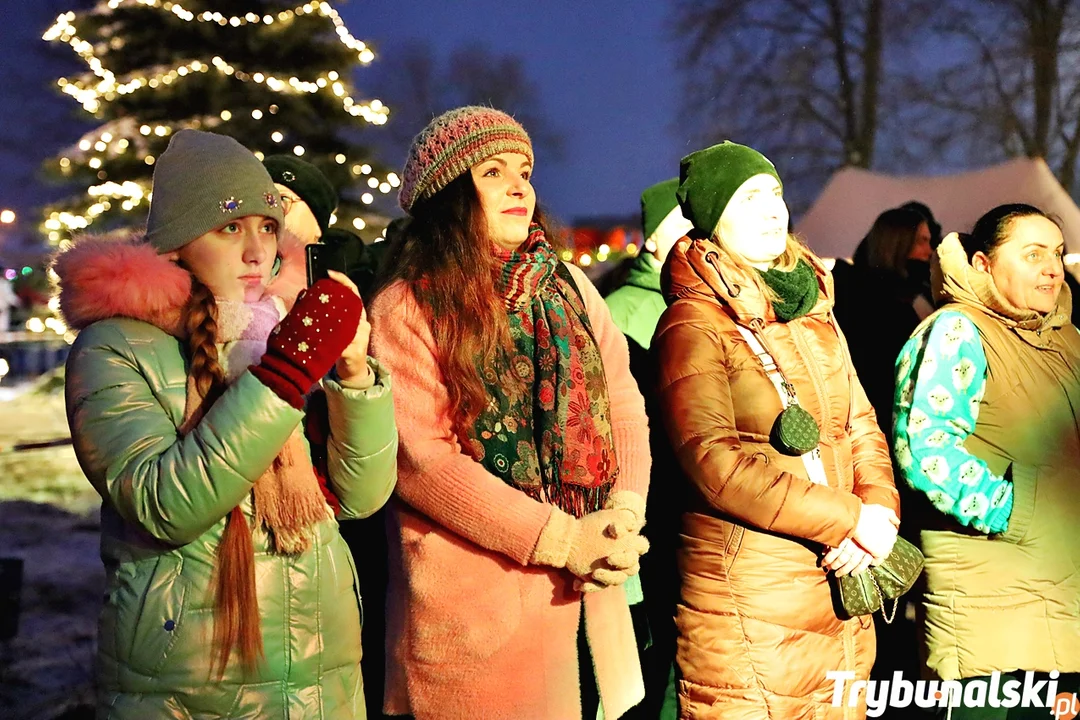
[(881, 297)]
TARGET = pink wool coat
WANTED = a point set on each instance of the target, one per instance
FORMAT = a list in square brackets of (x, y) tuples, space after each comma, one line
[(473, 630)]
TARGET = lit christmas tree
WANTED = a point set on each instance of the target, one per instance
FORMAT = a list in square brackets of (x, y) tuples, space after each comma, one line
[(274, 75)]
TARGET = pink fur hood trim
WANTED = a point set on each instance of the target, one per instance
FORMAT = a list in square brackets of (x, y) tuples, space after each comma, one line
[(120, 275)]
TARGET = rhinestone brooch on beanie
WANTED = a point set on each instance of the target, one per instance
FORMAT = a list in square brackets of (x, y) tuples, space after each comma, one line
[(271, 199), (288, 176), (230, 205)]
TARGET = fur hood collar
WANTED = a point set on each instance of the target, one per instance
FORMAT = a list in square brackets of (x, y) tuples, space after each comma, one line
[(120, 275)]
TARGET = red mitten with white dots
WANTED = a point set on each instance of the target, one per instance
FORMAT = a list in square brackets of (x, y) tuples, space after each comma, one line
[(309, 340)]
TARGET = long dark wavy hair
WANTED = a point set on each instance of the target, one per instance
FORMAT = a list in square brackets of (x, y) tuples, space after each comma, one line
[(444, 253)]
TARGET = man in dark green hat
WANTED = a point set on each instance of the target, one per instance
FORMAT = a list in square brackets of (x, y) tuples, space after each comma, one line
[(636, 307)]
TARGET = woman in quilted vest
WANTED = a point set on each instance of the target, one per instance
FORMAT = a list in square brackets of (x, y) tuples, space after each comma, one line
[(524, 448), (229, 591), (987, 432), (775, 505)]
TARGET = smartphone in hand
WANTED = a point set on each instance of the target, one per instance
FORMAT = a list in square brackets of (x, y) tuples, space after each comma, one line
[(320, 258)]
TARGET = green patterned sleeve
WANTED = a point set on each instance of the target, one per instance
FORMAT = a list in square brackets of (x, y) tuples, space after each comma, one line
[(941, 378)]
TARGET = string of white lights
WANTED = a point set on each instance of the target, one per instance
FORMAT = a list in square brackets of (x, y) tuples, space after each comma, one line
[(107, 88), (121, 136)]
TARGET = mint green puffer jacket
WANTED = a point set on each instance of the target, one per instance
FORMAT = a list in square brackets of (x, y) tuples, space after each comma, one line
[(165, 501)]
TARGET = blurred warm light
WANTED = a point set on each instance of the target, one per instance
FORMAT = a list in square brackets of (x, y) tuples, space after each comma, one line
[(56, 325), (359, 223), (35, 325), (585, 260), (7, 217), (631, 250), (4, 367)]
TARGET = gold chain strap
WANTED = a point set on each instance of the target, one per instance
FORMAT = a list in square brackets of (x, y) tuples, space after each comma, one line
[(881, 599)]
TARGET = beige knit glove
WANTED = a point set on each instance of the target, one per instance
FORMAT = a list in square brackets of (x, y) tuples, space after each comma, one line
[(628, 500), (625, 564), (587, 546)]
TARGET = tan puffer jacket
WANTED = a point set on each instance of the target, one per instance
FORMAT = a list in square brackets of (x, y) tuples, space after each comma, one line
[(757, 624)]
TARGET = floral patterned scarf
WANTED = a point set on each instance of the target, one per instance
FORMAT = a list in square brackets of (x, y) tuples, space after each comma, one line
[(547, 428)]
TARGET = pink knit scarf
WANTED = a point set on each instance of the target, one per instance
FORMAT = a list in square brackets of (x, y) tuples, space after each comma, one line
[(288, 501)]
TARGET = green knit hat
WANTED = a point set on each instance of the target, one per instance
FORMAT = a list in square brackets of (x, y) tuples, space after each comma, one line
[(657, 202), (308, 182), (709, 178), (202, 181)]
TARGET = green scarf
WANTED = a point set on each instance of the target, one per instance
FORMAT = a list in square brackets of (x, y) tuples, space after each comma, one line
[(797, 290), (547, 429)]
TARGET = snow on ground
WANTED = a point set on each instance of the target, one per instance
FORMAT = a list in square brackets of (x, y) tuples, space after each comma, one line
[(49, 519)]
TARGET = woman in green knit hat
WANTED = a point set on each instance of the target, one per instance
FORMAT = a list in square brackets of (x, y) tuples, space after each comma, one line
[(777, 503), (229, 591)]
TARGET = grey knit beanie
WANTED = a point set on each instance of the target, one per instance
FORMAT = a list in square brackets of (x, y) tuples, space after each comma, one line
[(202, 181)]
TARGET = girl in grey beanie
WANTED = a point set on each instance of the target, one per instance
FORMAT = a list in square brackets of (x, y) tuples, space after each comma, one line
[(199, 411)]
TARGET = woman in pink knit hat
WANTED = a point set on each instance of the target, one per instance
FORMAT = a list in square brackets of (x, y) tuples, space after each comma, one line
[(523, 461)]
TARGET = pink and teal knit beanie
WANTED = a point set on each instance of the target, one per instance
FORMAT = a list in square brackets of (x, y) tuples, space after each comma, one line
[(454, 142)]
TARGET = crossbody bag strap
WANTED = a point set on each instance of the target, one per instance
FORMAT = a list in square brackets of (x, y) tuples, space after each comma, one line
[(849, 368), (815, 468)]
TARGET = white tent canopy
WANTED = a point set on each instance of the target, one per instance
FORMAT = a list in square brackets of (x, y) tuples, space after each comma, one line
[(853, 199)]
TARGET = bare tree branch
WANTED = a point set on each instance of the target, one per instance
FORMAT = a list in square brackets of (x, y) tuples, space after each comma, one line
[(1026, 100), (789, 75), (422, 85)]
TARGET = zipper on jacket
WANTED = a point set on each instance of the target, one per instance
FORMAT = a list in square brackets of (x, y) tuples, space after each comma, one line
[(821, 388)]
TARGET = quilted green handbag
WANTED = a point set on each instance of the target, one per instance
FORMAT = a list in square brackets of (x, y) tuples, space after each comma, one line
[(795, 431), (866, 593)]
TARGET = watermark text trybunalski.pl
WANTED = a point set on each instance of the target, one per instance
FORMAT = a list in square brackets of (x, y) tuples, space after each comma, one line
[(990, 692)]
